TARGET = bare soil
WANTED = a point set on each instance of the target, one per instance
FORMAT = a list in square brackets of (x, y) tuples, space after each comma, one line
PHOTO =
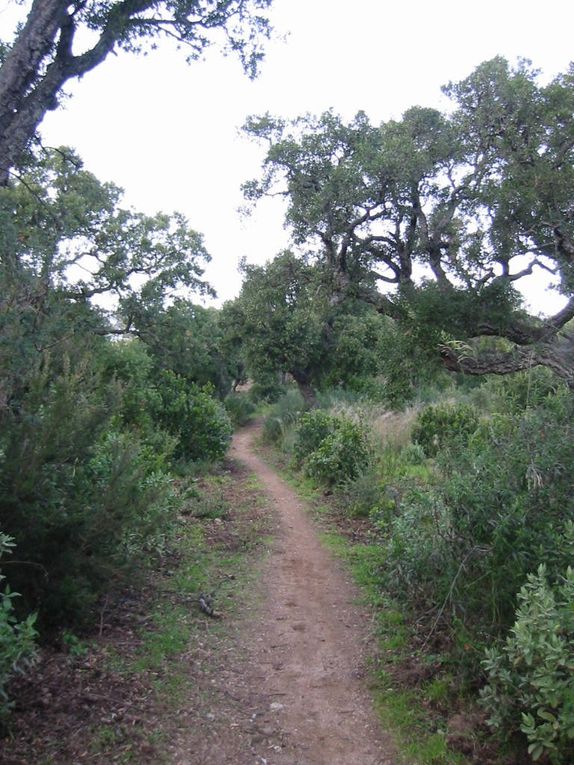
[(310, 643)]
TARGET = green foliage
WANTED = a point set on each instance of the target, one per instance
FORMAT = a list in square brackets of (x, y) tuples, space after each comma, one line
[(85, 453), (444, 426), (281, 319), (512, 394), (266, 388), (464, 545), (312, 429), (16, 637), (331, 449), (188, 340), (239, 407), (200, 423), (531, 677), (364, 495), (283, 416)]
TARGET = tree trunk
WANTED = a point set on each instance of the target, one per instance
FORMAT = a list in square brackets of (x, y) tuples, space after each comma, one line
[(303, 380), (20, 71), (557, 354)]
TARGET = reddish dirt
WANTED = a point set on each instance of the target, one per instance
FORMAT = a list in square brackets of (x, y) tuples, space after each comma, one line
[(310, 644)]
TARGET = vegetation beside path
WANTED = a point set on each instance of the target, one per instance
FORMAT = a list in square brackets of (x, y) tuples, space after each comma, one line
[(146, 678), (456, 517)]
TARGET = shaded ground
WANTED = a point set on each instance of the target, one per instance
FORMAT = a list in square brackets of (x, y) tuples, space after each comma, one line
[(277, 680)]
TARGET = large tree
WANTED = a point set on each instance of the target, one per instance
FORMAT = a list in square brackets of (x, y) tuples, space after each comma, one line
[(442, 211), (50, 49)]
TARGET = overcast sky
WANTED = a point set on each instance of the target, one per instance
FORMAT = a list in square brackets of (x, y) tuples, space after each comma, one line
[(168, 133)]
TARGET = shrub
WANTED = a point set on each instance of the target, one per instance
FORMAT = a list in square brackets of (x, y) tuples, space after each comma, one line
[(531, 678), (312, 429), (239, 407), (464, 545), (283, 415), (518, 392), (331, 449), (364, 495), (199, 421), (439, 427), (16, 637)]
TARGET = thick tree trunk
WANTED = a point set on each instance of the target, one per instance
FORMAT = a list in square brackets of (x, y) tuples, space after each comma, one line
[(41, 62), (556, 354), (20, 71)]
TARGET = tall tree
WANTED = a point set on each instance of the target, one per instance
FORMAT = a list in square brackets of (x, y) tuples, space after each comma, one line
[(442, 210), (49, 50)]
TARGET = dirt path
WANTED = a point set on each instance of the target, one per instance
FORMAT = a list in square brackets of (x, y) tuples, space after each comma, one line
[(310, 644)]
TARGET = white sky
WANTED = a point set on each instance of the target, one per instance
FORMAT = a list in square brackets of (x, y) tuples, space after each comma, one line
[(168, 133)]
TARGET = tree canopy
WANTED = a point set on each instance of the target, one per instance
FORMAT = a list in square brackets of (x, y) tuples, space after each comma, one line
[(442, 209)]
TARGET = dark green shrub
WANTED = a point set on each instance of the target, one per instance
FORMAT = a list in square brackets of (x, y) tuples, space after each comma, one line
[(266, 390), (312, 429), (195, 417), (16, 637), (531, 677), (341, 456), (439, 427), (239, 407), (331, 449), (464, 546)]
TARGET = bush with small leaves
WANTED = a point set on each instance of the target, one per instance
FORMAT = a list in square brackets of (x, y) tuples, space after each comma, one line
[(531, 678), (331, 449), (283, 416), (312, 429), (16, 637), (195, 417)]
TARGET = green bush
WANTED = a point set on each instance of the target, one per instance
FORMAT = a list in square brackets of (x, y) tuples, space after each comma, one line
[(341, 456), (312, 429), (531, 678), (461, 547), (331, 449), (513, 394), (364, 495), (239, 407), (85, 527), (283, 415), (441, 426), (195, 417), (16, 637)]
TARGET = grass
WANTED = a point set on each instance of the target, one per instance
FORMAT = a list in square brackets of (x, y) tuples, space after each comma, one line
[(217, 558), (402, 711)]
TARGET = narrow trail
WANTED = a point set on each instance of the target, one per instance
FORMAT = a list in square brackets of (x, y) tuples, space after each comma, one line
[(309, 642)]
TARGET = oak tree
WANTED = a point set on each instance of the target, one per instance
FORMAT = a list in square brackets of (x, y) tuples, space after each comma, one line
[(442, 211), (61, 40)]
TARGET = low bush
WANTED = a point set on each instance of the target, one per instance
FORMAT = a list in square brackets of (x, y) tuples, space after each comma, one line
[(283, 416), (441, 426), (531, 678), (195, 417), (239, 407), (332, 450), (312, 429), (460, 548), (16, 637)]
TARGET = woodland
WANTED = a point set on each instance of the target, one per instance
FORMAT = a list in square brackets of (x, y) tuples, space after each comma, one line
[(390, 350)]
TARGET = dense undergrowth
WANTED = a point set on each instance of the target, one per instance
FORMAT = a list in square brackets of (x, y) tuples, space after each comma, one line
[(151, 673), (469, 504)]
